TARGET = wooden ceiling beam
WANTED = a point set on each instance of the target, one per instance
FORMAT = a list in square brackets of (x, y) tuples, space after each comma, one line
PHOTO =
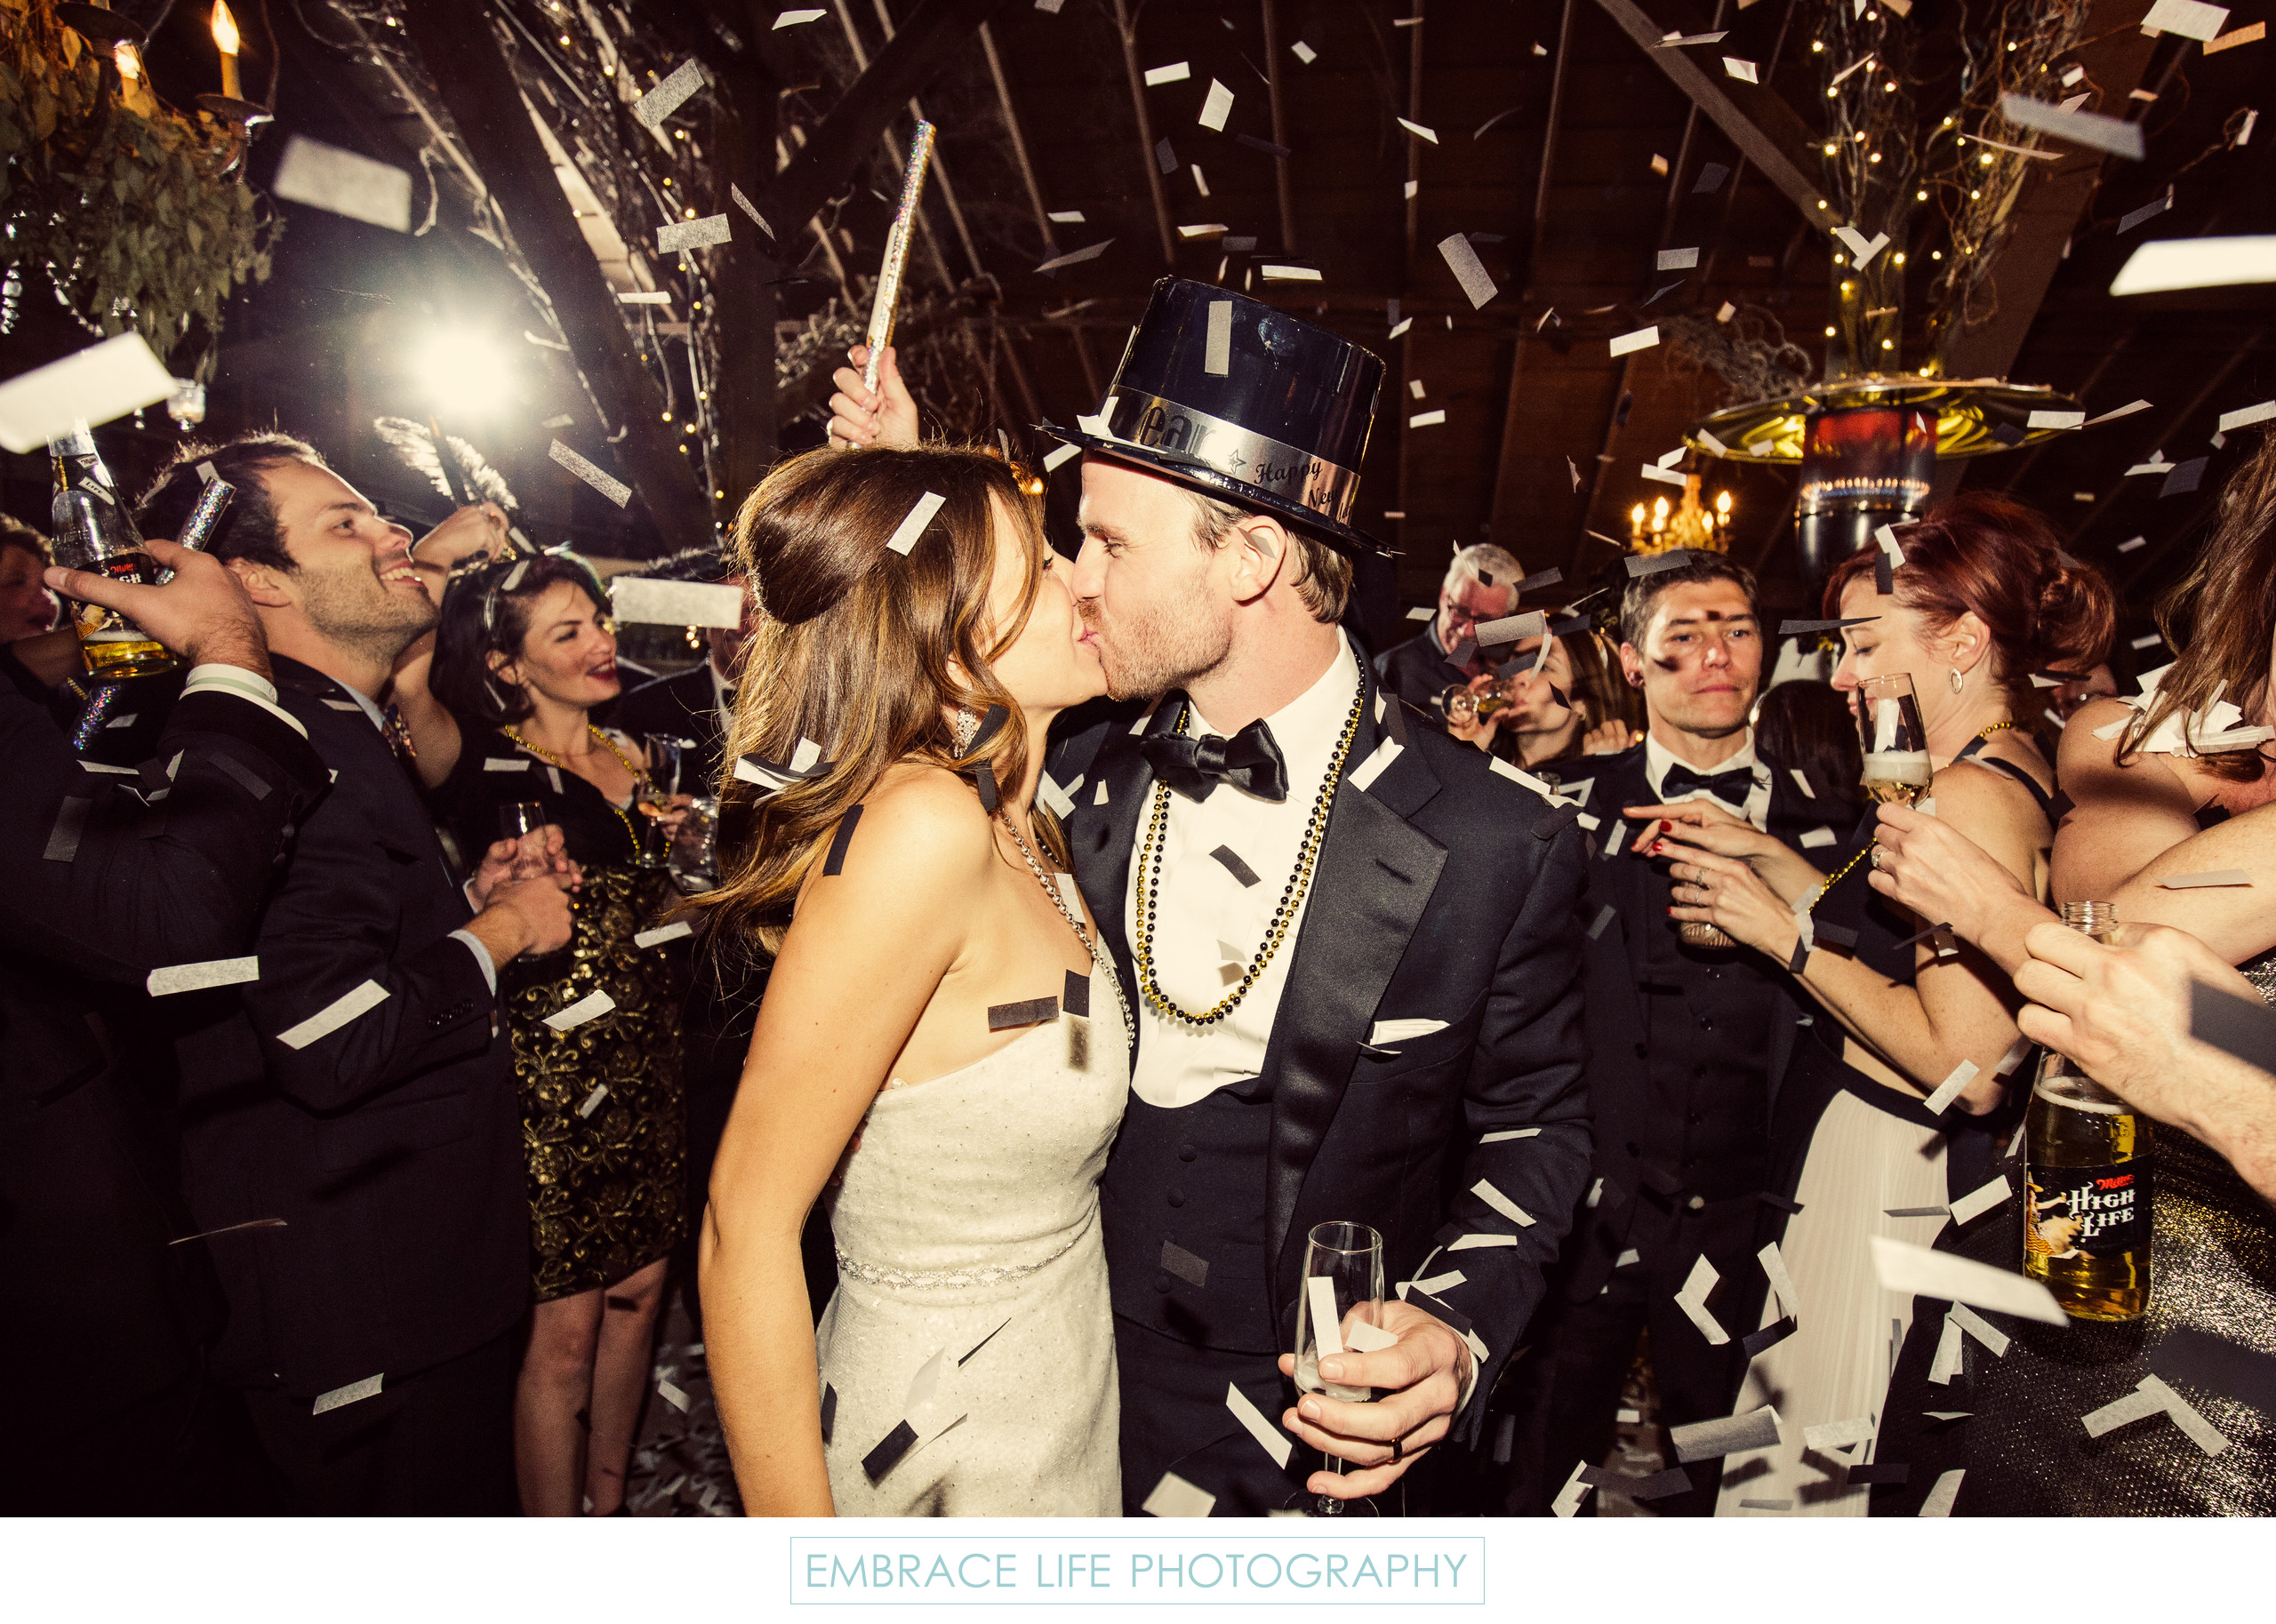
[(1771, 134)]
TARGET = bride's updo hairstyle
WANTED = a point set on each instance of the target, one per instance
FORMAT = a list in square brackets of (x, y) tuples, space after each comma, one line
[(865, 652), (2002, 560)]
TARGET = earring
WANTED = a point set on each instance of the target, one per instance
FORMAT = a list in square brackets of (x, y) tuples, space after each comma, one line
[(966, 728), (1958, 682)]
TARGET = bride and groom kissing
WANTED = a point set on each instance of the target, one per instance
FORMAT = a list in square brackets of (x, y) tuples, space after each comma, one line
[(1315, 961)]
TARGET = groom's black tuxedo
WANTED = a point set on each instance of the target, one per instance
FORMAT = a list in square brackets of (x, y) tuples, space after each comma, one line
[(1444, 890)]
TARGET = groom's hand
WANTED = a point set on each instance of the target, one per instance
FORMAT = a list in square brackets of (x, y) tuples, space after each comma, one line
[(1421, 1381)]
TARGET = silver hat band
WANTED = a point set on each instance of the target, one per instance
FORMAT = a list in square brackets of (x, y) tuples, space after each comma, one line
[(1238, 453)]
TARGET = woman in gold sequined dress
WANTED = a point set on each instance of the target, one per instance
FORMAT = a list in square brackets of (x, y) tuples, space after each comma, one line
[(525, 652)]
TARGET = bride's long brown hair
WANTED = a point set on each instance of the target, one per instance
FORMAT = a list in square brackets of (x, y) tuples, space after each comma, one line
[(860, 651)]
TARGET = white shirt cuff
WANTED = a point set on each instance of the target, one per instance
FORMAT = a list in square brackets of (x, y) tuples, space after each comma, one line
[(481, 955), (250, 686)]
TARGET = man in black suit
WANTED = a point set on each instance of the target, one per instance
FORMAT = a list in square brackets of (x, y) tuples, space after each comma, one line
[(1689, 1047), (1481, 586), (115, 880), (1397, 1044), (358, 1090)]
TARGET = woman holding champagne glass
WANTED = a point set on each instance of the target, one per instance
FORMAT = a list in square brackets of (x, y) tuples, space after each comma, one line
[(523, 653), (1938, 671)]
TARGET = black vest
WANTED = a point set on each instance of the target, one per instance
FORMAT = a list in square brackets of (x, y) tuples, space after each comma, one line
[(1182, 1206)]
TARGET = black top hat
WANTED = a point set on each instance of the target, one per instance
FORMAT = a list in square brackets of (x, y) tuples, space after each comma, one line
[(1244, 403)]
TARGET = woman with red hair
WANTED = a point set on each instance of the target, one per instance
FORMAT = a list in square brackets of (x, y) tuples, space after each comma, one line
[(1983, 599)]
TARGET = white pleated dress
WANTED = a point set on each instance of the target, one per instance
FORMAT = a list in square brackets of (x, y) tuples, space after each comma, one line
[(967, 1230), (1836, 1364)]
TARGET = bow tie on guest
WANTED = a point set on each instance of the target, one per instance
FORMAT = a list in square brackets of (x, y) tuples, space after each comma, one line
[(1194, 767), (1732, 787)]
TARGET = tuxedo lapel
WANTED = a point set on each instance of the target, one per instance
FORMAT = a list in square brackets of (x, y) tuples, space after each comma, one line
[(1100, 838), (1374, 876)]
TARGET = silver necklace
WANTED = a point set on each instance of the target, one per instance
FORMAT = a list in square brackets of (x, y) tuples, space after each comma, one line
[(1059, 901)]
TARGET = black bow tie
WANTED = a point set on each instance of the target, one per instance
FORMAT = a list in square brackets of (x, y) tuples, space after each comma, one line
[(1732, 787), (1194, 767)]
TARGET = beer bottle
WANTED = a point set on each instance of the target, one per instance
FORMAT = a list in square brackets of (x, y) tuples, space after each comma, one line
[(2087, 1223), (94, 532)]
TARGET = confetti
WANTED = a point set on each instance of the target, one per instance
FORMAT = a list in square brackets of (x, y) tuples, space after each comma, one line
[(1739, 68), (1174, 1497), (709, 232), (1268, 1437), (1917, 1271), (2085, 128), (1862, 251), (1216, 107), (1463, 260), (1485, 1191), (663, 933), (1643, 338), (2250, 34), (592, 1006), (661, 102), (1697, 1287), (1170, 75), (1304, 53), (91, 387), (792, 20), (345, 183), (1949, 1090), (358, 1001), (1423, 131), (1076, 258), (2190, 18), (1426, 419), (368, 1387), (912, 527), (615, 490), (2244, 417), (643, 600), (1726, 1436)]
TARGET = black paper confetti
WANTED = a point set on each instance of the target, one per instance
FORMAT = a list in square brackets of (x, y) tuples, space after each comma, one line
[(1077, 999), (1238, 869), (1027, 1012), (835, 863)]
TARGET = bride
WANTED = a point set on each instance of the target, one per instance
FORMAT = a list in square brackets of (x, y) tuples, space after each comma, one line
[(942, 1053)]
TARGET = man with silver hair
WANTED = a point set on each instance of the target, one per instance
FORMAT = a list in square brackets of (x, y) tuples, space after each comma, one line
[(1482, 585)]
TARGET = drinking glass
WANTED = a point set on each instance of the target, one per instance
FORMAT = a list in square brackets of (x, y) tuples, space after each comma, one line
[(1897, 769), (695, 862), (1343, 1287)]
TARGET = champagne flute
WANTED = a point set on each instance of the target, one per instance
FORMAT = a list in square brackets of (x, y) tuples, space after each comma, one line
[(517, 820), (653, 795), (1342, 1288), (1897, 768)]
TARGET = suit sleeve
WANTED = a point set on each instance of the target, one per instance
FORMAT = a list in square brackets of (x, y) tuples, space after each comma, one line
[(347, 1005), (115, 875), (1527, 1106)]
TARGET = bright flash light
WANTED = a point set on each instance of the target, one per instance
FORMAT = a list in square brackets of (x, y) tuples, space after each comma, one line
[(465, 372)]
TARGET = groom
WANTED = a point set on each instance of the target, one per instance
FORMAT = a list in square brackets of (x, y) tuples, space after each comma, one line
[(1353, 942)]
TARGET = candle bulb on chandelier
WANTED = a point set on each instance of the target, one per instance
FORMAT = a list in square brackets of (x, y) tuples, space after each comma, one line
[(225, 36)]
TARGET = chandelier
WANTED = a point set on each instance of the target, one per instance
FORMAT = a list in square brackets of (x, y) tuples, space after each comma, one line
[(1691, 523)]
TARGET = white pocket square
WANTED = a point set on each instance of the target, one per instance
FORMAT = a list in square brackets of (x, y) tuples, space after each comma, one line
[(1389, 1032)]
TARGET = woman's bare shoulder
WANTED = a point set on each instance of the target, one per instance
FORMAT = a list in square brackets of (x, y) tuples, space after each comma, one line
[(922, 826)]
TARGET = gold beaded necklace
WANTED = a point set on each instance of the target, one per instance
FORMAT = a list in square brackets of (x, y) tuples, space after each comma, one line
[(1292, 895), (639, 775)]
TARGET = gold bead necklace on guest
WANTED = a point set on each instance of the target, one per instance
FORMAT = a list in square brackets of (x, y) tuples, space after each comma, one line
[(639, 775), (1292, 895)]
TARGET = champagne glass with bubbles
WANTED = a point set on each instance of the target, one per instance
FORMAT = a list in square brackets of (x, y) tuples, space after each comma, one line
[(1341, 1304), (1897, 769)]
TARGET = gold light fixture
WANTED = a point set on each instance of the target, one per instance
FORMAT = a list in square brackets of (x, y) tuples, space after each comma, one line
[(1691, 523)]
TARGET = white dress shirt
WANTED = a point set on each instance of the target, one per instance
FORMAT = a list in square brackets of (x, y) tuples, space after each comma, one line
[(1756, 809), (1206, 919)]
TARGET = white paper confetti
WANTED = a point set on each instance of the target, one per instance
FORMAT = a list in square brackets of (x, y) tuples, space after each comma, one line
[(1569, 1498), (1076, 257), (1782, 1283), (1949, 1090), (1422, 132), (592, 1006), (913, 525), (345, 183), (670, 93), (1427, 420), (614, 489), (1643, 338), (358, 1001), (1693, 1301), (2075, 124), (1917, 1271), (708, 232), (1217, 352), (1170, 75), (2189, 17), (792, 20), (1863, 252), (1485, 1191), (1174, 1497), (170, 979), (92, 385), (663, 933), (1463, 260), (1739, 68), (1216, 107), (368, 1387), (1268, 1437), (1474, 1243), (643, 600), (1939, 1500)]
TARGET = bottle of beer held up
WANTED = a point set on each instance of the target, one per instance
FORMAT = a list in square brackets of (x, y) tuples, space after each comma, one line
[(2087, 1224), (94, 532)]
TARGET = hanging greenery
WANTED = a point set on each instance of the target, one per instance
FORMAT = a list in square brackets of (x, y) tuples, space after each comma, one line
[(136, 213)]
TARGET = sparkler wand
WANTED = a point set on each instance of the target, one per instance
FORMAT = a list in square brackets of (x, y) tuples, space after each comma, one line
[(897, 261)]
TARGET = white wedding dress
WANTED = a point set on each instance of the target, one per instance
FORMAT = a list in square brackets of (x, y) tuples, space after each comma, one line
[(967, 1355)]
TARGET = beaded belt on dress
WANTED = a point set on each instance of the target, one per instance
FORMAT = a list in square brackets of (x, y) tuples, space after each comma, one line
[(992, 1273)]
